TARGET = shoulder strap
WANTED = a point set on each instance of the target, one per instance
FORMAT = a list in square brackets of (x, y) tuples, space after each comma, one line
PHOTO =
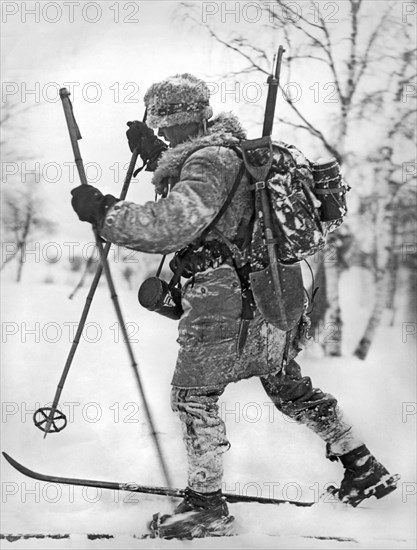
[(177, 275), (226, 203)]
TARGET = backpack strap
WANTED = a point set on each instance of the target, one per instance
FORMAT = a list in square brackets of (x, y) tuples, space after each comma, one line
[(183, 262), (226, 203)]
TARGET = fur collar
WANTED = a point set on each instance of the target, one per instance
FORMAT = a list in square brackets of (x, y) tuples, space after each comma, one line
[(225, 129)]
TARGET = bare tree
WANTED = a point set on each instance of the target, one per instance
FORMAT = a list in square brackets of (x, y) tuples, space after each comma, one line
[(90, 267), (363, 56), (22, 222), (390, 186), (21, 208)]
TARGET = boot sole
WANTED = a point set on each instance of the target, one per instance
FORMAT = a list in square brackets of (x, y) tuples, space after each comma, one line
[(190, 527), (386, 485)]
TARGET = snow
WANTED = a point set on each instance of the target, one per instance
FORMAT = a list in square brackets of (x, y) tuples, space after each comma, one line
[(107, 436)]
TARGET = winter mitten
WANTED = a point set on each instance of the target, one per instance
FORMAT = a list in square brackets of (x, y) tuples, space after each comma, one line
[(90, 204), (143, 138)]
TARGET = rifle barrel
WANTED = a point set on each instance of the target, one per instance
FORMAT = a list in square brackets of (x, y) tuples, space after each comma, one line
[(273, 85)]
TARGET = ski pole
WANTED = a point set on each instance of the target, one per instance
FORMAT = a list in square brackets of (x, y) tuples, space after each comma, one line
[(50, 415), (74, 137)]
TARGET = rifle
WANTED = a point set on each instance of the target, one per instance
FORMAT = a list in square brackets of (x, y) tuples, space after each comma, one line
[(271, 100), (284, 307)]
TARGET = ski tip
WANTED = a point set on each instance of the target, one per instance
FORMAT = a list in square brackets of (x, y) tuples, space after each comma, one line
[(12, 461), (9, 459)]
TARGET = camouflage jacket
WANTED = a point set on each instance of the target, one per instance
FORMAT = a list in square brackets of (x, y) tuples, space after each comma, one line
[(200, 173)]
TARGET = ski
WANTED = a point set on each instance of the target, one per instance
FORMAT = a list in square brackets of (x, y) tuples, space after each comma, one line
[(135, 488), (121, 538)]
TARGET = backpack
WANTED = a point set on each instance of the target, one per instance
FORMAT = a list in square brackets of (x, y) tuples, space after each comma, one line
[(297, 203), (307, 201), (300, 226)]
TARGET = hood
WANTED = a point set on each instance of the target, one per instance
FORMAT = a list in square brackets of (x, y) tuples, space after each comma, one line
[(225, 129)]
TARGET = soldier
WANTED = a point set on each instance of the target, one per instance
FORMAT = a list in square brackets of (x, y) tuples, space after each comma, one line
[(194, 176)]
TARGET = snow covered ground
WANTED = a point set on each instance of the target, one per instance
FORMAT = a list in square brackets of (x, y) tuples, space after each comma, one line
[(107, 436)]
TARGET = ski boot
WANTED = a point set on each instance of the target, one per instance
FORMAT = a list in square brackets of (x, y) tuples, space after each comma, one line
[(364, 477), (198, 515)]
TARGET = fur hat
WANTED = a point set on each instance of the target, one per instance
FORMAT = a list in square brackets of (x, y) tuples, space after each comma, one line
[(179, 99)]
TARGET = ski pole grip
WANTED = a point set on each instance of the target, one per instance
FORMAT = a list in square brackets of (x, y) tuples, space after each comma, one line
[(74, 133)]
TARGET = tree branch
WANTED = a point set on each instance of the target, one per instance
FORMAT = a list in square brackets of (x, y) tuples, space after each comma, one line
[(299, 17), (363, 64), (332, 64), (237, 50), (10, 258), (315, 131)]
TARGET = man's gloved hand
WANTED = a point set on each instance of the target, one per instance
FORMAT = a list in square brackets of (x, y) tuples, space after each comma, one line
[(150, 147), (90, 204)]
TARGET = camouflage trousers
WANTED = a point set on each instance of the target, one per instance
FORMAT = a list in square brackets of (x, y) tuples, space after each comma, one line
[(292, 394)]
